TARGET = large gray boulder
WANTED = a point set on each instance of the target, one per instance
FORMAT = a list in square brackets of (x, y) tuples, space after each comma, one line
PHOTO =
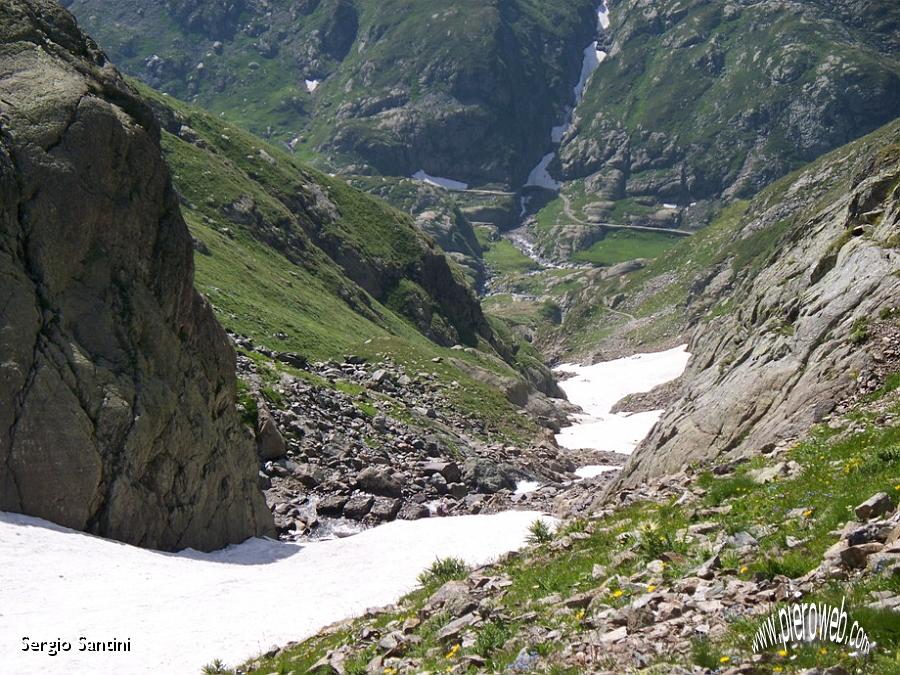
[(117, 385)]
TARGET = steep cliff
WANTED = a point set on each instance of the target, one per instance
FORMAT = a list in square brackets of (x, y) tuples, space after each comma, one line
[(117, 385), (799, 314)]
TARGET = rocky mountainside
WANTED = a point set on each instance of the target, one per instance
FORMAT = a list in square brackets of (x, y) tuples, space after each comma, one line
[(117, 385), (800, 312), (707, 100), (772, 480), (458, 90)]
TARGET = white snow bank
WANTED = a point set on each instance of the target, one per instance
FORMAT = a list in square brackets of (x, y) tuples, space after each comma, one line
[(594, 470), (181, 611), (603, 16), (312, 85), (599, 387), (540, 177), (524, 487), (557, 133), (593, 57), (447, 183)]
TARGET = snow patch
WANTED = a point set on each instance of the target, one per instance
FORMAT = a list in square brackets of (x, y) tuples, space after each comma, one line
[(599, 387), (524, 487), (603, 16), (670, 206), (183, 610), (557, 133), (540, 177), (593, 57), (312, 85), (446, 183), (594, 470)]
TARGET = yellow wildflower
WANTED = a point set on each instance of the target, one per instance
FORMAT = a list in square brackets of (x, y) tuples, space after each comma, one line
[(744, 569), (617, 593), (579, 615), (823, 651), (725, 659), (782, 652), (453, 650), (807, 513), (651, 588), (777, 669)]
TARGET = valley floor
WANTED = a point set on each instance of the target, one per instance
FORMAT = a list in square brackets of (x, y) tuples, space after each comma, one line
[(676, 577)]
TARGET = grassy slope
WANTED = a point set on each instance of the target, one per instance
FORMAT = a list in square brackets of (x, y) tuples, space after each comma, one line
[(623, 245), (667, 78), (305, 303)]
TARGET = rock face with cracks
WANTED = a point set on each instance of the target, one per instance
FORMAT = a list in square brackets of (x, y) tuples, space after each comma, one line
[(804, 322), (117, 386)]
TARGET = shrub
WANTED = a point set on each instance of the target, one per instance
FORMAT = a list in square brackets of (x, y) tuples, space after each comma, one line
[(702, 654), (492, 637), (215, 668), (442, 571), (655, 540), (859, 332), (539, 533)]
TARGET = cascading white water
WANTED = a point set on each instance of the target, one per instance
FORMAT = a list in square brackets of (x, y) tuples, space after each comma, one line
[(593, 57)]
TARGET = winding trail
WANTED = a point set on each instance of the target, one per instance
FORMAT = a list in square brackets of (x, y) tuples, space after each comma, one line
[(628, 316)]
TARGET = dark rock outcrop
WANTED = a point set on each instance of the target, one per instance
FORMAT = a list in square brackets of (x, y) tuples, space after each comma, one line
[(117, 385), (467, 91)]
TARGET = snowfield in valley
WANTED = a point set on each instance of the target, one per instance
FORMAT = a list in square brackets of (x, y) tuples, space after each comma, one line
[(182, 611), (437, 181), (599, 387)]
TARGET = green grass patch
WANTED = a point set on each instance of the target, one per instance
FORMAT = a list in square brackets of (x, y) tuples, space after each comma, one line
[(623, 245), (502, 257)]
